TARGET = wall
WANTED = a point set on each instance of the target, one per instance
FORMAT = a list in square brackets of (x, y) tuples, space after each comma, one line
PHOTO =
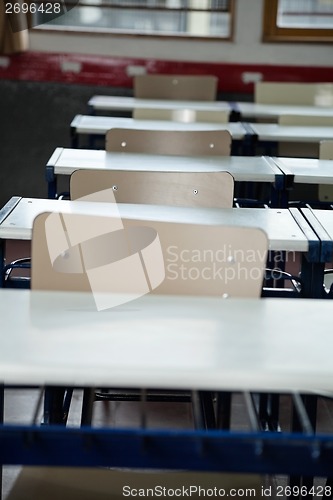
[(109, 61), (246, 48)]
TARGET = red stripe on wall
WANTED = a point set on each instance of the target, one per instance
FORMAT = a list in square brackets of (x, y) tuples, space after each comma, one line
[(113, 72)]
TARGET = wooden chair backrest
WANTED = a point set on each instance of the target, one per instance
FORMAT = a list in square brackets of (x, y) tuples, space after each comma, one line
[(326, 150), (189, 189), (182, 115), (176, 87), (169, 142), (325, 191), (306, 120), (294, 93), (162, 257)]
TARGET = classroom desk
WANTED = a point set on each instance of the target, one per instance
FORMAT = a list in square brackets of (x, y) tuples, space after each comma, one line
[(198, 343), (239, 109), (243, 168), (273, 133), (99, 125), (123, 103), (322, 223), (286, 229), (291, 133), (258, 111), (305, 171)]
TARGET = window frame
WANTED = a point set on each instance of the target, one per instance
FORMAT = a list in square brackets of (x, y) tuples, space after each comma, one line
[(273, 33), (91, 31)]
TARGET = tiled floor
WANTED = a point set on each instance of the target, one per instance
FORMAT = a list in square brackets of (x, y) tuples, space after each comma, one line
[(20, 405)]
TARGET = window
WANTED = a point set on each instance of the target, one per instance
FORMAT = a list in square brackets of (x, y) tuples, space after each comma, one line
[(298, 20), (177, 18)]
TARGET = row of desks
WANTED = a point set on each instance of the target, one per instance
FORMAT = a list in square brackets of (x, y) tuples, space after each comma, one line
[(59, 339), (281, 173), (238, 110), (309, 232), (245, 135), (177, 343)]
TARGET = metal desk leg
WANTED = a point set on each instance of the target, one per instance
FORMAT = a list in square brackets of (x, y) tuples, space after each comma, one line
[(87, 406), (2, 409), (312, 277), (51, 180), (54, 403), (223, 410), (2, 261), (206, 398), (304, 420)]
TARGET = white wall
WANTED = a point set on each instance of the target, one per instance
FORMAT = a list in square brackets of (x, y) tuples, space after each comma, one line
[(246, 47)]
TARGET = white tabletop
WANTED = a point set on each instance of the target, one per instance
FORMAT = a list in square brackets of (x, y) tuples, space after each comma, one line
[(291, 133), (86, 124), (166, 342), (281, 228), (243, 168), (122, 103), (307, 170), (325, 217), (274, 111)]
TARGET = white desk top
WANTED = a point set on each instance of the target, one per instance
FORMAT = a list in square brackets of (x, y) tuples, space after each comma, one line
[(325, 217), (274, 111), (282, 230), (307, 170), (247, 109), (122, 103), (166, 342), (86, 124), (243, 168), (291, 133)]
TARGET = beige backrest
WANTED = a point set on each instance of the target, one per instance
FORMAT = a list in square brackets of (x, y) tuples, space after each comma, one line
[(182, 115), (326, 150), (177, 87), (163, 257), (305, 120), (189, 189), (325, 191), (300, 93), (169, 142)]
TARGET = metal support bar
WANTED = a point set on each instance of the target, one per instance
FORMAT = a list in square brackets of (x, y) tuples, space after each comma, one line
[(257, 452)]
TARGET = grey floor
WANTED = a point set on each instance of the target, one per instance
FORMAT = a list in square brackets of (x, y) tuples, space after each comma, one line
[(20, 406)]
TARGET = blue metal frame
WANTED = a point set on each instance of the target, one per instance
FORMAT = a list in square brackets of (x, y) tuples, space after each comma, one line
[(4, 212), (258, 452)]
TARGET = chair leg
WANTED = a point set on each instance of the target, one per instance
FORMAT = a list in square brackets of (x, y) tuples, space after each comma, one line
[(223, 410), (54, 406), (207, 405), (203, 410)]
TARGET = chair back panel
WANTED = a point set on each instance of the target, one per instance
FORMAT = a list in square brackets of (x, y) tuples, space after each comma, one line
[(326, 150), (325, 191), (182, 115), (310, 94), (194, 259), (176, 87), (188, 189), (305, 120), (169, 142)]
